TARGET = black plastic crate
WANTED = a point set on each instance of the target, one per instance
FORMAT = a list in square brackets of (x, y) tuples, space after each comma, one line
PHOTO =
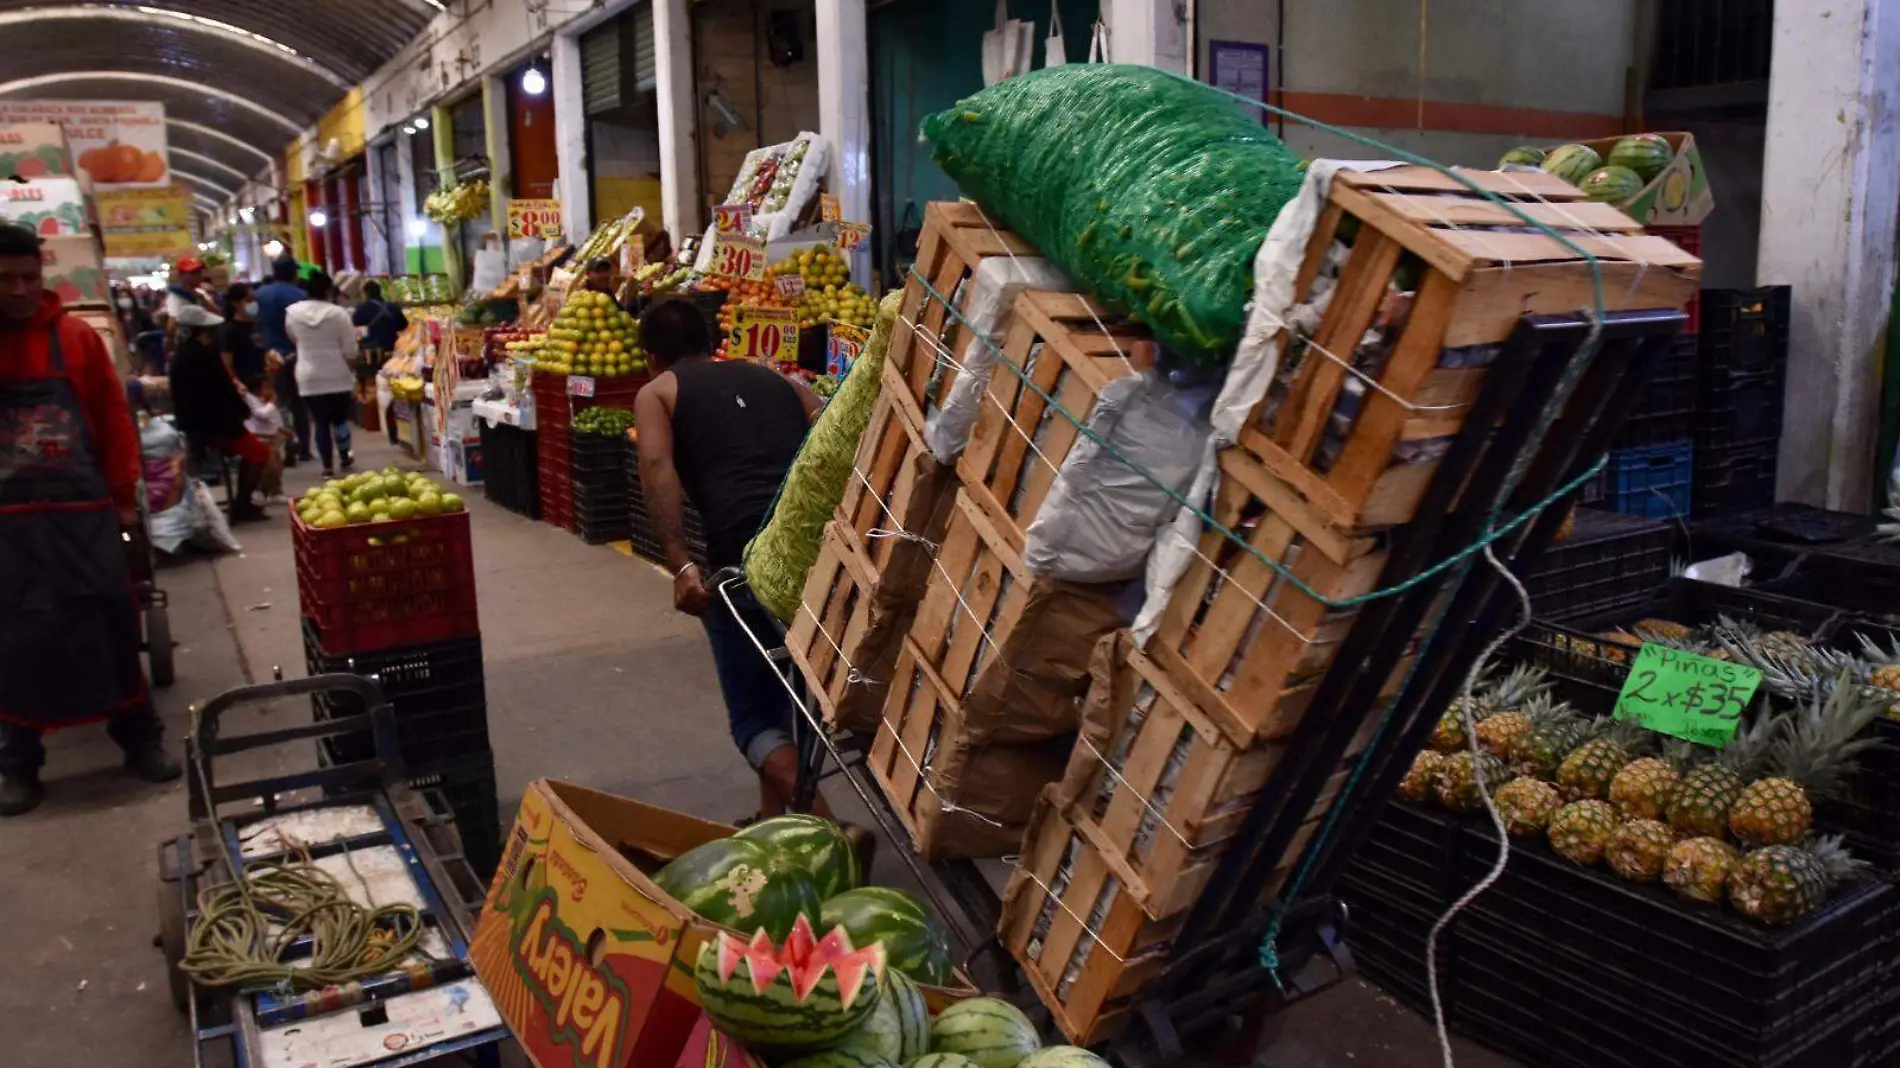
[(1775, 536), (1608, 561), (425, 739), (602, 454), (510, 476), (640, 532), (438, 693), (599, 525), (469, 788), (1746, 411), (1740, 478), (1665, 410), (1744, 332), (1855, 585)]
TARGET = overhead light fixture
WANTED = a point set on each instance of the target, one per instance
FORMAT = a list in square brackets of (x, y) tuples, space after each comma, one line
[(422, 122), (319, 218), (417, 227), (247, 214), (533, 82), (273, 248), (409, 130)]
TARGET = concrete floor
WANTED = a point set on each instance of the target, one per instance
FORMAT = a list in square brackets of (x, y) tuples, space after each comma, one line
[(591, 677)]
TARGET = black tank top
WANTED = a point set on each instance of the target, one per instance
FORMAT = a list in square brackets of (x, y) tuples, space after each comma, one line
[(736, 428)]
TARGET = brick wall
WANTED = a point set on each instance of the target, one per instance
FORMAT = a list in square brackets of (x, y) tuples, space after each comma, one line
[(731, 55)]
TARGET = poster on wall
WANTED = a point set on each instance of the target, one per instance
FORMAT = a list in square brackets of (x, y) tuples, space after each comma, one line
[(146, 223), (1241, 68), (115, 142)]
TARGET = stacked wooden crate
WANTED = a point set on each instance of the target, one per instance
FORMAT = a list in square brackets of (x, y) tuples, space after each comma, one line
[(1180, 736)]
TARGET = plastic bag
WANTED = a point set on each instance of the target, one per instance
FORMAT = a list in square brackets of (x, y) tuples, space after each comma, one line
[(1153, 192), (986, 309)]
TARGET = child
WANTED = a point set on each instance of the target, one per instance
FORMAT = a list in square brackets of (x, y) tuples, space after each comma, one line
[(268, 424)]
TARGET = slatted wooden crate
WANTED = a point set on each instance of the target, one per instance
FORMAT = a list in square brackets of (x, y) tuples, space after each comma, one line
[(956, 239), (847, 632), (958, 796), (1253, 669), (896, 486), (1068, 347), (1364, 455)]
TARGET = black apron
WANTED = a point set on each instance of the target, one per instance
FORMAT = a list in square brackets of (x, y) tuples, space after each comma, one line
[(69, 624)]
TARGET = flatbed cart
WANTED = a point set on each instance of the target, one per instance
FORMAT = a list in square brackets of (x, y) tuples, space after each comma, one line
[(384, 842), (957, 889)]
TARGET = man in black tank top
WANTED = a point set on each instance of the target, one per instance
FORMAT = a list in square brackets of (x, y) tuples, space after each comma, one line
[(722, 434)]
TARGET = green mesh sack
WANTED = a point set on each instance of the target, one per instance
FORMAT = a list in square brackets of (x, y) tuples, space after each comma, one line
[(1154, 193), (780, 555)]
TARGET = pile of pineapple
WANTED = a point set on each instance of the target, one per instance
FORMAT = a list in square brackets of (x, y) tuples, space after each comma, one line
[(1733, 822)]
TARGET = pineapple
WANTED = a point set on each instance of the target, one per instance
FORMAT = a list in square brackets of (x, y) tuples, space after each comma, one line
[(1418, 782), (1778, 884), (1491, 698), (1884, 668), (1638, 849), (1458, 787), (1641, 791), (1664, 630), (1556, 728), (1579, 831), (1586, 773), (1809, 752), (1700, 805), (1526, 805), (1617, 646), (1448, 736), (1698, 868), (1891, 531)]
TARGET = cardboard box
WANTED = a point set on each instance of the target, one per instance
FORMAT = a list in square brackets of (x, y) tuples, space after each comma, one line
[(74, 271), (589, 961), (33, 150), (1679, 196), (708, 1048)]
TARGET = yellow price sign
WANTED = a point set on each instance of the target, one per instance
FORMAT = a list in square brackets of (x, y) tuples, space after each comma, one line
[(769, 335), (852, 236), (738, 256)]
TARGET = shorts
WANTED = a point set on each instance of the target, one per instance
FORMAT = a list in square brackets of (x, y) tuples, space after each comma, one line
[(758, 708)]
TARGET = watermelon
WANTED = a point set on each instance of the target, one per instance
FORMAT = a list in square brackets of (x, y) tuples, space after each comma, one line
[(844, 1057), (803, 994), (914, 939), (989, 1031), (1062, 1057), (913, 1013), (818, 845), (1611, 185), (882, 1033), (1646, 154), (1572, 162), (743, 885), (1523, 155), (943, 1060)]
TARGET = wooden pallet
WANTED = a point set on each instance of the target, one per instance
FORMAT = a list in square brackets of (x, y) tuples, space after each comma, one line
[(1363, 460), (847, 632), (957, 796), (1066, 346), (896, 485), (956, 239)]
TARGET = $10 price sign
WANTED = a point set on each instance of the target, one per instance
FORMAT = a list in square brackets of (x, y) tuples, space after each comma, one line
[(766, 334), (739, 256), (1685, 695)]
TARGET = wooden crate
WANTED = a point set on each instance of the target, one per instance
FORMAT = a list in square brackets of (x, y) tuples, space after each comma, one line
[(896, 485), (956, 795), (1066, 346), (956, 239), (1363, 456), (1254, 669), (847, 632)]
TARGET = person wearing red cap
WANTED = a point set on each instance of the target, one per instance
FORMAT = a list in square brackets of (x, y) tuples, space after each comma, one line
[(185, 291), (69, 480)]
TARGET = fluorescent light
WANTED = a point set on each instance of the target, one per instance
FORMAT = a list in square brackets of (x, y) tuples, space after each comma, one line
[(273, 248), (247, 214), (319, 218), (421, 123), (533, 82), (417, 228)]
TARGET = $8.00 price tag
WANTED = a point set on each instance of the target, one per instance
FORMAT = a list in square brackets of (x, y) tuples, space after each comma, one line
[(768, 334), (738, 256), (1684, 695)]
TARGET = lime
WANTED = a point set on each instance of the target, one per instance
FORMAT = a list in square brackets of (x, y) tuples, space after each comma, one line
[(451, 503), (402, 508), (429, 504), (329, 520), (357, 512)]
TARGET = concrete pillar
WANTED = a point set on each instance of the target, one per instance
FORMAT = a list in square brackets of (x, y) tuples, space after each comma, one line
[(500, 159), (679, 115), (570, 137), (414, 235), (442, 130), (844, 112), (1830, 190), (376, 254), (1148, 32)]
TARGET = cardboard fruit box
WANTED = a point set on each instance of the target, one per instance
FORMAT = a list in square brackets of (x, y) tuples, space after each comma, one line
[(1679, 196)]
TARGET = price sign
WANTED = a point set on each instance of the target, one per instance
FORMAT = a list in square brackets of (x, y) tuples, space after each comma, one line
[(790, 286), (738, 256), (843, 347), (732, 219), (1685, 695), (828, 208), (633, 254), (580, 385), (852, 236), (534, 218), (766, 334)]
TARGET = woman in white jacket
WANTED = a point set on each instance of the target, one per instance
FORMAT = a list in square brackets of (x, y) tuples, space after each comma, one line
[(326, 342)]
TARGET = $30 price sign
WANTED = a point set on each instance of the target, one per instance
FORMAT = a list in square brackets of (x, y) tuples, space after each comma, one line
[(1684, 695), (738, 256), (766, 334)]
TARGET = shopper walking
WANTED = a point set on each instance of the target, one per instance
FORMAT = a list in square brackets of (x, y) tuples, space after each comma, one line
[(722, 434), (382, 322), (274, 299), (210, 409), (244, 353), (69, 479), (325, 341)]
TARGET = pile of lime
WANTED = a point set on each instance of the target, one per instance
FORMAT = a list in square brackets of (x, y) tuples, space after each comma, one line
[(374, 497)]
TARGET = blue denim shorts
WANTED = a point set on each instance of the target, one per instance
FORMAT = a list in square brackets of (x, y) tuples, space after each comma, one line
[(758, 709)]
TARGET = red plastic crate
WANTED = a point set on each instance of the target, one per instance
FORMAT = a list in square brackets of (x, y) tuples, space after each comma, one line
[(388, 584), (554, 407), (557, 496), (1688, 239)]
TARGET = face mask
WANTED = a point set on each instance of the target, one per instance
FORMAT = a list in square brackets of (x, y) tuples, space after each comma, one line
[(125, 303), (250, 309)]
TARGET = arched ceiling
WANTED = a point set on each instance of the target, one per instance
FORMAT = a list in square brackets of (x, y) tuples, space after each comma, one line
[(254, 71)]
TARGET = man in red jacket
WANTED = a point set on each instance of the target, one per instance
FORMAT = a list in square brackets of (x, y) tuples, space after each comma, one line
[(69, 477)]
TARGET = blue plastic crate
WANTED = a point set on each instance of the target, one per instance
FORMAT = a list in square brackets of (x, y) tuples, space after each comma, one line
[(1653, 481)]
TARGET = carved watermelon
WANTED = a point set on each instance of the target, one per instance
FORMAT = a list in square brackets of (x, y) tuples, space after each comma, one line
[(803, 994), (1572, 163)]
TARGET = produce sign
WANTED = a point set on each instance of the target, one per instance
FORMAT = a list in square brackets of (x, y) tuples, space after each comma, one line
[(1686, 695), (842, 347), (580, 386), (534, 218), (116, 142), (732, 218), (829, 209), (49, 207), (853, 235), (146, 223), (34, 150), (760, 333), (73, 270), (738, 256), (790, 286)]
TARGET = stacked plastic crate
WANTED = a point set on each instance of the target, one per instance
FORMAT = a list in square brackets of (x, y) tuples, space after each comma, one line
[(1652, 462), (1742, 374), (396, 601)]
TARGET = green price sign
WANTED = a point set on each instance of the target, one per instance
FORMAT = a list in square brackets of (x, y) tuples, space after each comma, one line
[(1686, 695)]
